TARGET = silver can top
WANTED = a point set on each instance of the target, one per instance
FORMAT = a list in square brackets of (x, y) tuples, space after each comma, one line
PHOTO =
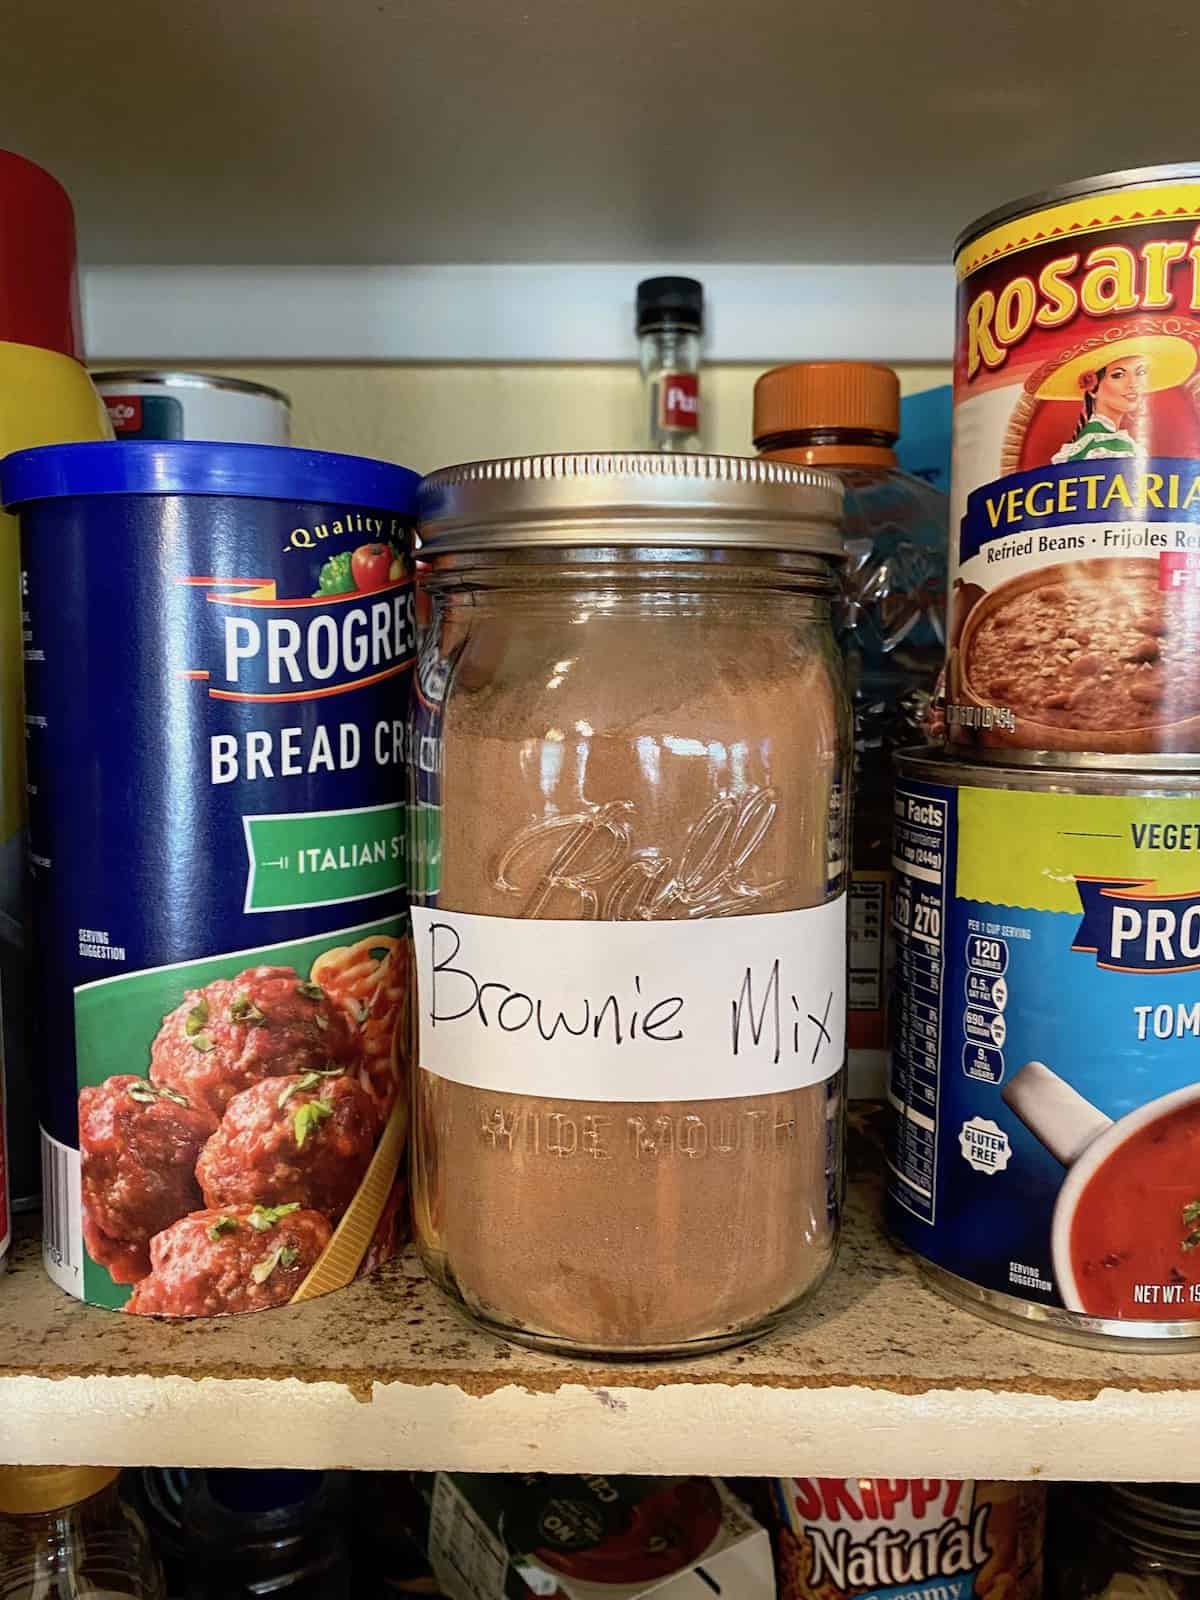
[(170, 379), (630, 498)]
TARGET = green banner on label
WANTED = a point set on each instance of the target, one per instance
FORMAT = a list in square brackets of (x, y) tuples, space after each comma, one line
[(321, 858), (425, 850)]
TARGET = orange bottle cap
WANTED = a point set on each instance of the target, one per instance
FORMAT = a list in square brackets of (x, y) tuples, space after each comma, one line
[(826, 394)]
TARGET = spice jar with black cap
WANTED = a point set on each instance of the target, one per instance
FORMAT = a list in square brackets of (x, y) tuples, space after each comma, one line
[(670, 323)]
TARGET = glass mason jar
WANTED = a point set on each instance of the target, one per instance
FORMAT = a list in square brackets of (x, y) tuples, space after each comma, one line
[(1124, 1541), (630, 751)]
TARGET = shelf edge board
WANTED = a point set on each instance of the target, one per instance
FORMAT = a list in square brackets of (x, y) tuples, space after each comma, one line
[(758, 312), (675, 1428)]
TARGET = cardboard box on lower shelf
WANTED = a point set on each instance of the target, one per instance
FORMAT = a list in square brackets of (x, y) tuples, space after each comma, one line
[(513, 1537)]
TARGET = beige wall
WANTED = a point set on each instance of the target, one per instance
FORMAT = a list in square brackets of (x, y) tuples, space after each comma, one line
[(429, 416)]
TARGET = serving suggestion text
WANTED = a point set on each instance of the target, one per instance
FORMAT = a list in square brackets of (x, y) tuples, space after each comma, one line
[(618, 1011)]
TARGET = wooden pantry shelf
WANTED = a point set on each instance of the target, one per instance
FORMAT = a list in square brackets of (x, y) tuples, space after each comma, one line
[(879, 1375)]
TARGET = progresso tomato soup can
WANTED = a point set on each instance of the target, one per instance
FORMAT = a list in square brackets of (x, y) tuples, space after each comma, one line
[(922, 1538), (1075, 497), (218, 641), (1044, 1155)]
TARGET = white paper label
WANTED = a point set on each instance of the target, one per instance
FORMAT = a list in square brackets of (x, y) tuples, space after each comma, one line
[(468, 1560), (633, 1010)]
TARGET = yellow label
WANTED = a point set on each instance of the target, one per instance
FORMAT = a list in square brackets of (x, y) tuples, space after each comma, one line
[(1073, 219), (45, 398), (1017, 849)]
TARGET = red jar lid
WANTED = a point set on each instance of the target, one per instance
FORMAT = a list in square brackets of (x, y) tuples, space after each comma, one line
[(39, 284)]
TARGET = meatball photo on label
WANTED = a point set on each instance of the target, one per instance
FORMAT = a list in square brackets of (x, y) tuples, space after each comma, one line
[(222, 930), (268, 1022), (138, 1148)]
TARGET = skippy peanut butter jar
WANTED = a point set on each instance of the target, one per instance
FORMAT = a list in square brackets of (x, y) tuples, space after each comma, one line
[(1075, 505), (921, 1538)]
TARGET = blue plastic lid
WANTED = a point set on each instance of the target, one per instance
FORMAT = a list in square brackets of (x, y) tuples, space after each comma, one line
[(241, 1489), (190, 466)]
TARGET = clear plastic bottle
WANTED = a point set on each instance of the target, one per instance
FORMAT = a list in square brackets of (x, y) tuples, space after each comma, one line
[(157, 1495), (65, 1535), (670, 321), (844, 417)]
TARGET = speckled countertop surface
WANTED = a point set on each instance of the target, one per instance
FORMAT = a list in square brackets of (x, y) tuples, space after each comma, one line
[(874, 1324)]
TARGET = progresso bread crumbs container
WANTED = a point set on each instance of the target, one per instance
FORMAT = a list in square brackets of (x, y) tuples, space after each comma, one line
[(218, 642), (1075, 507), (1045, 1148), (923, 1538)]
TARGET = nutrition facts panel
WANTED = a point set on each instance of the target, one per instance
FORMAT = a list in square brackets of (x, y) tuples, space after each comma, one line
[(868, 897), (918, 917)]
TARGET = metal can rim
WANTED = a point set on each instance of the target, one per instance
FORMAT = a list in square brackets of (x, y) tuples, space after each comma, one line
[(1129, 775), (1079, 189), (171, 378), (1164, 761)]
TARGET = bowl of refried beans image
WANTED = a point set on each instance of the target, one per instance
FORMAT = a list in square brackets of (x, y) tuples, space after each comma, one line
[(1084, 655)]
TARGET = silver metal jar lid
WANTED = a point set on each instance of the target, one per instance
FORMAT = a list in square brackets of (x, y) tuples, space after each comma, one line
[(630, 498)]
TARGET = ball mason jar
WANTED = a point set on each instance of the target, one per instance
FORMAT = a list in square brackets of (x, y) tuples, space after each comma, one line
[(1124, 1541), (630, 752)]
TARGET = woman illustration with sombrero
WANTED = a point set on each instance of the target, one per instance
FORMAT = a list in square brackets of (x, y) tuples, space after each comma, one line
[(1113, 381)]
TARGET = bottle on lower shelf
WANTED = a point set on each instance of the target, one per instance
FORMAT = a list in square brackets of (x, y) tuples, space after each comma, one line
[(1115, 1541), (66, 1535), (226, 1535)]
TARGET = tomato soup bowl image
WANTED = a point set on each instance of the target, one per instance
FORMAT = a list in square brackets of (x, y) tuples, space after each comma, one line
[(1125, 1233), (1083, 656)]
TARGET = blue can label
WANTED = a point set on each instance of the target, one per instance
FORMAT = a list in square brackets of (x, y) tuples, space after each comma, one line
[(1045, 1095), (216, 710)]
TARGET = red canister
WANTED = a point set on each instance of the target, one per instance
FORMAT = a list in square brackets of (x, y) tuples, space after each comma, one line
[(46, 397)]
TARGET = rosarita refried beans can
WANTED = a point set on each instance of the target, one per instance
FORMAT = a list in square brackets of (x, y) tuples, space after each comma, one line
[(1075, 502), (218, 642), (1044, 1150)]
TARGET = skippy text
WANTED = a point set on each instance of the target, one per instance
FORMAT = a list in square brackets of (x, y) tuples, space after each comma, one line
[(879, 1533)]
